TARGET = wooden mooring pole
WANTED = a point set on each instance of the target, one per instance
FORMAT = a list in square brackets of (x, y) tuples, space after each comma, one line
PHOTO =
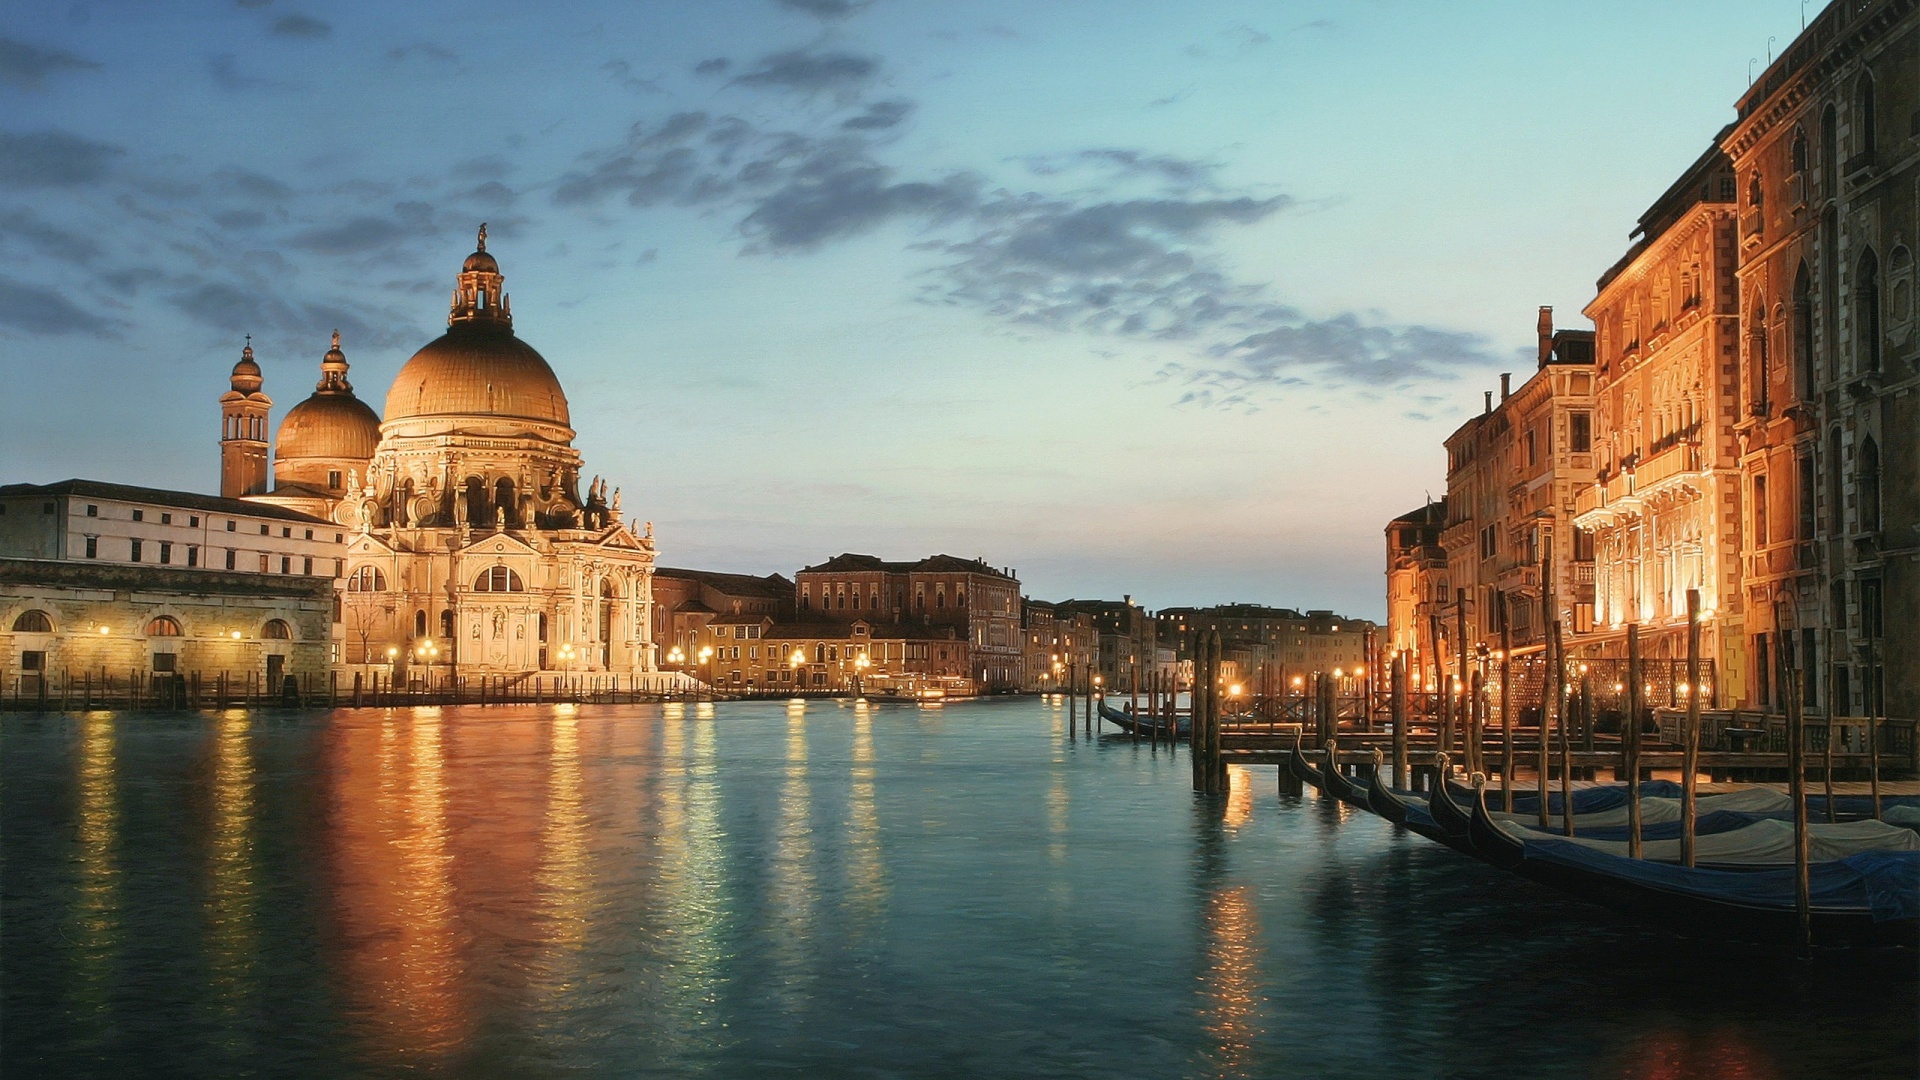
[(1876, 687), (1796, 781), (1690, 738), (1559, 672), (1399, 692), (1630, 740), (1506, 704)]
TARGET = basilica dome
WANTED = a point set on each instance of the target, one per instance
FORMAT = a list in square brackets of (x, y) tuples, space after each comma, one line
[(331, 423), (477, 370), (478, 367), (329, 426)]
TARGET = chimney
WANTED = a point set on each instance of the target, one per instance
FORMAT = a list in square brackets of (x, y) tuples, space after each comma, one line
[(1546, 334), (1489, 394), (1506, 385)]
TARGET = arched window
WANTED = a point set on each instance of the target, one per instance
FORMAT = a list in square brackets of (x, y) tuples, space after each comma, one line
[(420, 624), (498, 579), (1829, 151), (1866, 313), (1869, 485), (1758, 366), (277, 630), (446, 625), (1755, 194), (1803, 333), (819, 652), (1799, 151), (163, 626), (1863, 118), (367, 579), (33, 622), (1836, 493), (503, 498), (476, 499), (1899, 307)]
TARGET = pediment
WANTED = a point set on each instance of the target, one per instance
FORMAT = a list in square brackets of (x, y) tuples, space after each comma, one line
[(499, 544), (368, 544)]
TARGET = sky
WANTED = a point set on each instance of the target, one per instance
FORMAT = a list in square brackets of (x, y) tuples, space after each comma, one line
[(1175, 301)]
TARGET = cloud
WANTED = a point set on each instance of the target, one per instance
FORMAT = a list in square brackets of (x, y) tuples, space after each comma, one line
[(424, 51), (1177, 172), (811, 72), (832, 197), (717, 65), (251, 184), (351, 237), (225, 71), (46, 159), (29, 65), (879, 116), (301, 26), (824, 9), (49, 239), (42, 311), (622, 72), (1346, 348)]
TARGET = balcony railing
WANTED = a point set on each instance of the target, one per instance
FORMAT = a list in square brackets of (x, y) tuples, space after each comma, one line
[(1752, 223)]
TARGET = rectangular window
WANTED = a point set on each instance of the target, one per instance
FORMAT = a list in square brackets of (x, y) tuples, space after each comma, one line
[(339, 567), (1580, 432), (139, 515), (286, 531), (333, 479), (232, 525), (263, 528), (92, 510), (264, 564), (1870, 607), (309, 534), (1760, 538), (229, 558), (286, 564), (162, 663), (193, 521), (34, 660), (133, 546), (93, 547), (166, 519), (306, 566), (193, 555), (166, 553)]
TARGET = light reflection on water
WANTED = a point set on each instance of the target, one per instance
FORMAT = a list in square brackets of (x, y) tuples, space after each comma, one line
[(816, 886)]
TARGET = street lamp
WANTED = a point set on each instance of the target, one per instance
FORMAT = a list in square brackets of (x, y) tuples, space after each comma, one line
[(793, 662), (427, 651), (676, 656), (860, 664)]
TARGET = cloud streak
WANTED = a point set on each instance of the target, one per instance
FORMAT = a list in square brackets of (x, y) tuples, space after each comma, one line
[(26, 65)]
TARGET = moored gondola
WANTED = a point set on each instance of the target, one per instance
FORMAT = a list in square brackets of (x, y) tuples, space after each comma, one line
[(1336, 784), (1301, 769), (1491, 842), (1446, 813), (1380, 798), (1143, 726)]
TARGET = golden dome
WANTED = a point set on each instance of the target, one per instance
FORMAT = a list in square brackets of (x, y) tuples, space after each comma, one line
[(477, 369), (328, 425)]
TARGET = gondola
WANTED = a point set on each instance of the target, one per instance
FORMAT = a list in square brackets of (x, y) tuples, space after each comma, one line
[(1868, 899), (1447, 815), (1144, 726), (1303, 770), (1380, 798), (1337, 785)]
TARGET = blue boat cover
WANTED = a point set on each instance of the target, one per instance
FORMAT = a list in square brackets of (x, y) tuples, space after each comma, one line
[(1885, 883)]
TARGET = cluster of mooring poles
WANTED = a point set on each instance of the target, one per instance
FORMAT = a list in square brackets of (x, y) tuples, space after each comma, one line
[(1738, 878)]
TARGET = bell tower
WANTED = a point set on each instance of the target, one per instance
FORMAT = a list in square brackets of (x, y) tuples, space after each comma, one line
[(243, 430)]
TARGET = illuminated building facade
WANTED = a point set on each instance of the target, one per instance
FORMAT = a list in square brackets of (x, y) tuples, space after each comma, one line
[(980, 603), (1511, 477), (1417, 592), (1660, 516), (1826, 156)]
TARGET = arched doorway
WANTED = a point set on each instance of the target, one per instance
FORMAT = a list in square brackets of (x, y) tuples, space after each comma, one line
[(503, 499)]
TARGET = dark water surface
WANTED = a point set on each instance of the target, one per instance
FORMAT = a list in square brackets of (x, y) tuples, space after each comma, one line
[(762, 889)]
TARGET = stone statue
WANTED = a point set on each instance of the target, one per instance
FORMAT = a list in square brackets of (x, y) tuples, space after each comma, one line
[(499, 517), (616, 503), (649, 530)]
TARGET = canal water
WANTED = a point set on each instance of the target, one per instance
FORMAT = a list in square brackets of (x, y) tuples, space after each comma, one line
[(760, 889)]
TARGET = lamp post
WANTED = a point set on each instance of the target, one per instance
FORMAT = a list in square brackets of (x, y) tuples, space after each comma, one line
[(860, 664), (427, 652), (706, 664), (794, 662)]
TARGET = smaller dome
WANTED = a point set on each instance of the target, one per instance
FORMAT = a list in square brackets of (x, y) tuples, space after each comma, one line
[(480, 262), (329, 425), (246, 374)]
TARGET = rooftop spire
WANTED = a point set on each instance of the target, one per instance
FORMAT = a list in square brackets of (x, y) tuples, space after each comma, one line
[(483, 237), (246, 373), (333, 370)]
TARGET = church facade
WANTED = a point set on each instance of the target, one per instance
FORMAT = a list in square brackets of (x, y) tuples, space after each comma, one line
[(471, 549)]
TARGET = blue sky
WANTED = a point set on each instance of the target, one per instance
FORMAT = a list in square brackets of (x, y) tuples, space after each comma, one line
[(1175, 300)]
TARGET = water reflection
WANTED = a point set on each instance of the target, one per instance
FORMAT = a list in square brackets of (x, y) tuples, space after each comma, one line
[(792, 892), (232, 873), (564, 882), (93, 928), (866, 873), (1230, 949), (401, 962)]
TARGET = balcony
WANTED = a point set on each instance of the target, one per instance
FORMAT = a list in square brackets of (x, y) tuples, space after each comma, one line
[(1752, 226), (1583, 573), (1857, 164), (1677, 465), (1797, 186)]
